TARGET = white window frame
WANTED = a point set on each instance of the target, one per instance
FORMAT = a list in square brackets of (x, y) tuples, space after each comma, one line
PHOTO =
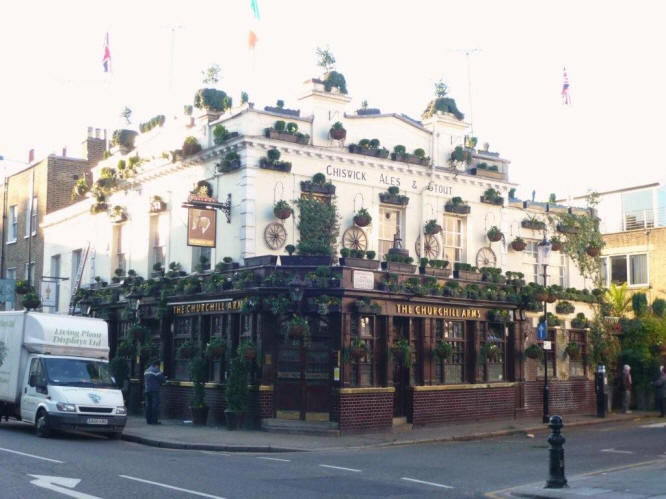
[(12, 226), (31, 217), (627, 256), (462, 249), (31, 266), (384, 243)]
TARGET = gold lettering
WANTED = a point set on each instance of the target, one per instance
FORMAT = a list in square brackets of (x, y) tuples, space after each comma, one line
[(417, 309), (410, 309)]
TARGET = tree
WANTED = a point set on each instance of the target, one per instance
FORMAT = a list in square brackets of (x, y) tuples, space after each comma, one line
[(326, 59), (211, 75), (441, 88), (618, 298), (126, 114)]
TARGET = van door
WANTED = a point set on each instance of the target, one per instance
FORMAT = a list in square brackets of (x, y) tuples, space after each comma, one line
[(35, 377)]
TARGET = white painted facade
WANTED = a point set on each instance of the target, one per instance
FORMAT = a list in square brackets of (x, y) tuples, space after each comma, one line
[(358, 179)]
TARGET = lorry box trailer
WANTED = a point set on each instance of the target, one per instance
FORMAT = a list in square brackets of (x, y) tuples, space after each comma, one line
[(54, 373)]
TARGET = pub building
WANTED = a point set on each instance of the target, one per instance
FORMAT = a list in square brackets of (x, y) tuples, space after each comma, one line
[(362, 341)]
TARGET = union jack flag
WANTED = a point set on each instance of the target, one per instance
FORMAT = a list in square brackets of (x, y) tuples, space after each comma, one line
[(566, 100), (106, 60)]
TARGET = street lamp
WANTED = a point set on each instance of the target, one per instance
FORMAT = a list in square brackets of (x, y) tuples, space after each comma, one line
[(543, 252)]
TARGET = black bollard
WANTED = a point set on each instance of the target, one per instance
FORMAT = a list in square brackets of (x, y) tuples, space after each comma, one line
[(556, 480)]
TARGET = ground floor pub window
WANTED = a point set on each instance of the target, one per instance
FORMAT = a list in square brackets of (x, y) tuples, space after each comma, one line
[(493, 351), (577, 361), (182, 336), (452, 368), (362, 351)]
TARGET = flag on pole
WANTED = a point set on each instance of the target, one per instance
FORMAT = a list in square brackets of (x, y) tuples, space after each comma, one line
[(252, 36), (106, 60), (566, 100)]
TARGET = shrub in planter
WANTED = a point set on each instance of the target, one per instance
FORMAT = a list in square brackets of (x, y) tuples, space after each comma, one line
[(370, 255), (212, 99), (659, 307), (495, 234), (282, 210), (564, 307), (362, 218), (290, 248), (190, 146), (639, 304), (580, 321), (31, 301), (335, 79), (534, 351), (235, 393)]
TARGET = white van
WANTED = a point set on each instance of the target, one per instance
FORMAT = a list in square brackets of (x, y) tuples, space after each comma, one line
[(54, 374)]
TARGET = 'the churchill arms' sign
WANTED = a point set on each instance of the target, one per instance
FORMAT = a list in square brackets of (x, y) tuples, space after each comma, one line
[(448, 312), (206, 307)]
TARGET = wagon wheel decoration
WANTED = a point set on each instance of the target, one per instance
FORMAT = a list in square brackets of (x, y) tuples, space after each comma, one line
[(355, 238), (485, 257), (431, 247), (275, 235)]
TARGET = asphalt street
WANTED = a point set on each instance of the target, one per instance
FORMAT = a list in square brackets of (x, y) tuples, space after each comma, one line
[(85, 467)]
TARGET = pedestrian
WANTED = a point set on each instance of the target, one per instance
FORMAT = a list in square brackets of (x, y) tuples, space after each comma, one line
[(153, 379), (660, 390), (626, 388)]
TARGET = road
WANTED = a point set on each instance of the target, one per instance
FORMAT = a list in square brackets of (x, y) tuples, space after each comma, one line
[(40, 468)]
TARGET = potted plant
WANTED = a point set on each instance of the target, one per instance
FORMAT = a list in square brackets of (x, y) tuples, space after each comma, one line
[(580, 321), (457, 205), (362, 218), (564, 307), (298, 327), (118, 214), (499, 315), (187, 350), (199, 373), (443, 349), (318, 184), (190, 146), (555, 243), (282, 209), (235, 394), (431, 227), (31, 300), (157, 205), (495, 234), (212, 100), (466, 271), (398, 261), (402, 351), (572, 350), (337, 131), (358, 348), (22, 287), (533, 223), (534, 351), (593, 250), (272, 162), (518, 244), (366, 306), (230, 162), (393, 196), (491, 196)]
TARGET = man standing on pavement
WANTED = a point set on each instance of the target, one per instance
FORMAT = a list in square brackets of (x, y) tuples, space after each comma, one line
[(626, 387), (660, 390), (153, 379)]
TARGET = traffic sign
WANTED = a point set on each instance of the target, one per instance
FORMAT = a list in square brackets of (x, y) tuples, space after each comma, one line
[(542, 331)]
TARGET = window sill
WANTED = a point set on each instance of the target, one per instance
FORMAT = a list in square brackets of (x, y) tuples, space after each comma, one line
[(13, 241)]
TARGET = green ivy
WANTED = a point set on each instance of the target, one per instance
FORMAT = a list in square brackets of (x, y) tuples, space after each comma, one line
[(318, 226)]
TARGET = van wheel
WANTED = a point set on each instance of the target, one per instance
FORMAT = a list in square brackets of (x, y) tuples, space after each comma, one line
[(42, 425)]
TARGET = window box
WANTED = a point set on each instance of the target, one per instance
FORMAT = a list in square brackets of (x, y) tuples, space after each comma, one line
[(565, 229), (287, 137), (460, 209), (396, 199), (309, 260), (255, 261), (433, 271), (498, 201), (407, 268), (360, 263), (327, 189), (482, 172), (533, 225), (409, 158), (369, 151), (278, 166), (467, 275)]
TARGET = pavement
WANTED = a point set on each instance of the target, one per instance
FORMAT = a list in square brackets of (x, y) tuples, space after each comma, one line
[(634, 481)]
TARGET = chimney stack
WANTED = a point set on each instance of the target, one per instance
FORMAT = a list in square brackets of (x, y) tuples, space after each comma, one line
[(64, 152), (31, 156)]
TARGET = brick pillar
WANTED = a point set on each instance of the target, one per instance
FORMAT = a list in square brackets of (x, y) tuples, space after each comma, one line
[(345, 333), (477, 375), (428, 344)]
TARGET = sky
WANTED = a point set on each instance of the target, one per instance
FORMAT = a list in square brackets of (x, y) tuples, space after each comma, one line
[(52, 84)]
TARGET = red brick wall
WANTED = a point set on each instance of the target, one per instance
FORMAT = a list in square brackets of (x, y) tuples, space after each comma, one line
[(364, 411), (566, 397), (445, 406)]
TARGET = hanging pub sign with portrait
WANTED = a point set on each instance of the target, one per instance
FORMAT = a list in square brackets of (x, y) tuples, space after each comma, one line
[(201, 227)]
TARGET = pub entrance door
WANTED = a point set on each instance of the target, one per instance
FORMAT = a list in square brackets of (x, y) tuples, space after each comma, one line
[(303, 383), (401, 369)]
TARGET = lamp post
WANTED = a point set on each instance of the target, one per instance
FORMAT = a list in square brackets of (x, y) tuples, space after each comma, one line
[(543, 252), (296, 292)]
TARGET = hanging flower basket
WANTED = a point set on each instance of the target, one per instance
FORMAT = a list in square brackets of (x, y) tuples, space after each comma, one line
[(215, 350), (402, 350), (282, 210), (555, 245), (573, 350), (551, 298), (494, 234), (534, 351), (362, 220), (443, 349), (541, 296), (593, 251), (297, 327), (490, 351), (358, 352), (518, 244), (187, 350)]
